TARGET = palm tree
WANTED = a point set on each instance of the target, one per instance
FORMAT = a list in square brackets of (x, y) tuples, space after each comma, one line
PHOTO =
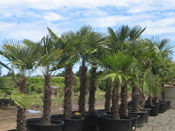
[(83, 53), (155, 63), (94, 40), (140, 51), (69, 39), (23, 57), (68, 43), (120, 41), (50, 54), (162, 68), (117, 65)]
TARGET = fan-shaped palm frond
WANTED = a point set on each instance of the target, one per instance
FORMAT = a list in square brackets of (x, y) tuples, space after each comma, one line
[(4, 65), (117, 66), (21, 55), (22, 100), (123, 33), (135, 33), (151, 83)]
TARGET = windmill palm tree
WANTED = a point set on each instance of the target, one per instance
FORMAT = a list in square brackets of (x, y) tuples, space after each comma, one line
[(120, 41), (138, 51), (49, 55), (94, 40), (152, 62), (23, 57), (71, 57), (83, 53), (161, 64), (68, 43), (117, 66)]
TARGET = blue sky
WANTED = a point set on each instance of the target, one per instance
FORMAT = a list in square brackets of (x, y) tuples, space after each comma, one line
[(21, 19)]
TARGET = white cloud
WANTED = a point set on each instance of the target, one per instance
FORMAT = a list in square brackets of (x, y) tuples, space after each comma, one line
[(91, 12), (32, 31), (55, 4), (51, 16), (94, 12), (107, 21)]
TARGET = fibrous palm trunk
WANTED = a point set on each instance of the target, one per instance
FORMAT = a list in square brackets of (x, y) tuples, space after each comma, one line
[(135, 98), (163, 92), (82, 96), (47, 100), (92, 89), (150, 100), (68, 93), (115, 101), (142, 99), (124, 99), (108, 96), (21, 118)]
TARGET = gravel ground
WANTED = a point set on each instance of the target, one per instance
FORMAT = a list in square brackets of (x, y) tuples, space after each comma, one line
[(163, 122)]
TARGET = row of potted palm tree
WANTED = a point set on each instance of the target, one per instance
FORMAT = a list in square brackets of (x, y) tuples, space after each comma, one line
[(121, 59)]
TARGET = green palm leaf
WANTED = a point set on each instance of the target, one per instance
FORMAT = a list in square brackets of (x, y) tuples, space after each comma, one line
[(22, 100)]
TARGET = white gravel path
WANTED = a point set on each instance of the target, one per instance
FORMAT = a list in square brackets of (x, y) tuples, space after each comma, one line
[(163, 122)]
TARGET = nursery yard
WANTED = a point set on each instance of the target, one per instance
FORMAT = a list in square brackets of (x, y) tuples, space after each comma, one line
[(162, 122), (8, 117)]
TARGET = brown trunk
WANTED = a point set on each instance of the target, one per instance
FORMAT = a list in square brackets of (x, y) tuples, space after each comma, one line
[(115, 101), (108, 96), (150, 101), (142, 99), (47, 100), (21, 118), (163, 92), (156, 99), (172, 82), (82, 96), (92, 89), (68, 93), (124, 99), (135, 98)]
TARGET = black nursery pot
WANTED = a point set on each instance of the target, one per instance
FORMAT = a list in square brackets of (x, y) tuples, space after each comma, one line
[(134, 121), (154, 109), (90, 122), (34, 124), (165, 105), (102, 111), (162, 107), (74, 124), (106, 123), (168, 103), (141, 119), (147, 115)]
